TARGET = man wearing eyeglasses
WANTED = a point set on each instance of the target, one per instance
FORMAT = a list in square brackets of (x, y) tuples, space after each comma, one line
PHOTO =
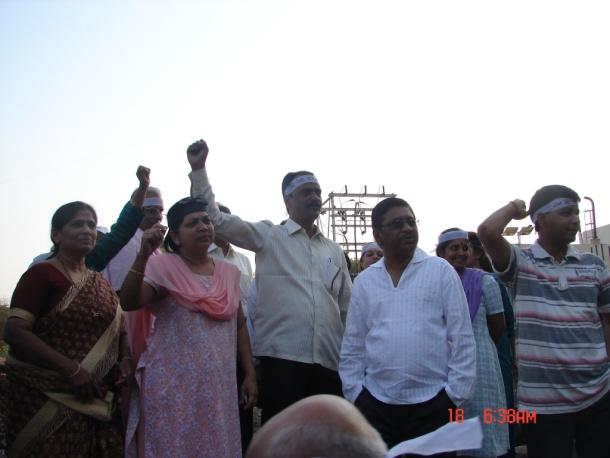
[(303, 288), (408, 353)]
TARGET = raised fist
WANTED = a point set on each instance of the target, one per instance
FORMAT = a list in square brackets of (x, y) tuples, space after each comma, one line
[(520, 209), (143, 174), (152, 239), (197, 154)]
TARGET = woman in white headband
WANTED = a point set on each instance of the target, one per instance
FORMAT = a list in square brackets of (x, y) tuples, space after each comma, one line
[(371, 253), (487, 316)]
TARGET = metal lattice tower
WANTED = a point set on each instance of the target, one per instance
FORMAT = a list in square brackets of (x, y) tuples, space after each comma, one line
[(348, 218)]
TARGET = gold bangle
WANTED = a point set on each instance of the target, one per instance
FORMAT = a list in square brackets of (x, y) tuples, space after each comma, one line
[(136, 272)]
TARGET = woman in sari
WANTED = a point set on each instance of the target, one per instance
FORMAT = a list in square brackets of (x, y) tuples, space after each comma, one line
[(487, 316), (68, 353), (185, 399)]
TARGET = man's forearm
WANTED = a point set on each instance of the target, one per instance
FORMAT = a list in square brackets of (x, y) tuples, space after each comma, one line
[(120, 233)]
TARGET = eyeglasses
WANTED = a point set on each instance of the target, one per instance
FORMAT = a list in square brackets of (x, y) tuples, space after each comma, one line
[(399, 223)]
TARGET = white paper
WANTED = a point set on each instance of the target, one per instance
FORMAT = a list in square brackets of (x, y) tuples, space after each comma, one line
[(451, 437)]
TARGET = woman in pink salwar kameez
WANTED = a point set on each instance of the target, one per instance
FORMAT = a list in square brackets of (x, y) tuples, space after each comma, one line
[(184, 402)]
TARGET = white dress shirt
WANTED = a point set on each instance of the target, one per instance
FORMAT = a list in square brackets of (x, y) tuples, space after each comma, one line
[(240, 261), (303, 284), (406, 343)]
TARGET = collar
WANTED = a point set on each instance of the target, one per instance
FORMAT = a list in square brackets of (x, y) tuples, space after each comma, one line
[(213, 247), (541, 253), (418, 256), (294, 227)]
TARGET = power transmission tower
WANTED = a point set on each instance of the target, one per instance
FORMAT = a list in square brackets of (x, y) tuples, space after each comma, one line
[(348, 218)]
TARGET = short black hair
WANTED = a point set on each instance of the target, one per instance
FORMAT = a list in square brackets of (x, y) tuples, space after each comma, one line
[(440, 248), (291, 176), (224, 209), (176, 215), (64, 214), (383, 207), (548, 193)]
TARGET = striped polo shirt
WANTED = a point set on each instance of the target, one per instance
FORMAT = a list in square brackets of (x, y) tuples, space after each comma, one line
[(561, 351)]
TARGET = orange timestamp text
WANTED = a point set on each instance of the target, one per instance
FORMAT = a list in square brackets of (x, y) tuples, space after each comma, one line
[(498, 416)]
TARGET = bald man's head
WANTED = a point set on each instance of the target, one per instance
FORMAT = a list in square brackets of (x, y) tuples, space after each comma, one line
[(318, 426)]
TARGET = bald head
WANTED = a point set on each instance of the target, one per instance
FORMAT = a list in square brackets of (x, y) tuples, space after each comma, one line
[(318, 426)]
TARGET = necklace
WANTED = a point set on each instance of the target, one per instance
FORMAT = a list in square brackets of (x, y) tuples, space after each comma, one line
[(63, 264)]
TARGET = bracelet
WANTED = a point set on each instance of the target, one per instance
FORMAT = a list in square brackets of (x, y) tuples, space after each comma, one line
[(76, 371), (136, 272)]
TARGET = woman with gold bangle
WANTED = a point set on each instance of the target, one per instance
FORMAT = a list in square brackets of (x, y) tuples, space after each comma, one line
[(68, 352)]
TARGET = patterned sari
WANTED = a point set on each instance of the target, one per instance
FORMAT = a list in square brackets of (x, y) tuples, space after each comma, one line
[(43, 416)]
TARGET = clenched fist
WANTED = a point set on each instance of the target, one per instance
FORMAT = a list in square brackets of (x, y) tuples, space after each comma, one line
[(197, 154)]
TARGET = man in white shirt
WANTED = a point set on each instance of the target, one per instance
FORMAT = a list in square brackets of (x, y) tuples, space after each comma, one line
[(408, 353), (303, 289), (221, 249)]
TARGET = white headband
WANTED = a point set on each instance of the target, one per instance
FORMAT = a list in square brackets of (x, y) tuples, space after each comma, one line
[(452, 235), (369, 247), (555, 204), (153, 202), (298, 181)]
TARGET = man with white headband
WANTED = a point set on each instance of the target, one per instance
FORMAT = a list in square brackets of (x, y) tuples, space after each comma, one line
[(303, 289), (562, 311)]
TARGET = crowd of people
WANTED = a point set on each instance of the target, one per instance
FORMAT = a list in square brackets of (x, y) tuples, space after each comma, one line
[(151, 341)]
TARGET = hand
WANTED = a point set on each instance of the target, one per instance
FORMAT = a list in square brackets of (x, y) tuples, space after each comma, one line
[(125, 371), (248, 394), (85, 389), (152, 238), (143, 174), (197, 154), (520, 209)]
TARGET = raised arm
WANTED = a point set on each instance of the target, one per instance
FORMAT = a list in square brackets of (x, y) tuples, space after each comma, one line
[(134, 292), (122, 231), (490, 232), (244, 234)]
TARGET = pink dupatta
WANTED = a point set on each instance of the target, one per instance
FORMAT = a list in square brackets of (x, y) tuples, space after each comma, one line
[(219, 302)]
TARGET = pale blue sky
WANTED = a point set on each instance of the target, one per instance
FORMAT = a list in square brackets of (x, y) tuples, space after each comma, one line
[(456, 106)]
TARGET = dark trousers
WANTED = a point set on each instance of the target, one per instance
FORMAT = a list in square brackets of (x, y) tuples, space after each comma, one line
[(397, 423), (246, 417), (554, 435), (285, 382)]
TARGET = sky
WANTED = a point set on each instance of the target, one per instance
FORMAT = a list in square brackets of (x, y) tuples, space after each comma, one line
[(457, 107)]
